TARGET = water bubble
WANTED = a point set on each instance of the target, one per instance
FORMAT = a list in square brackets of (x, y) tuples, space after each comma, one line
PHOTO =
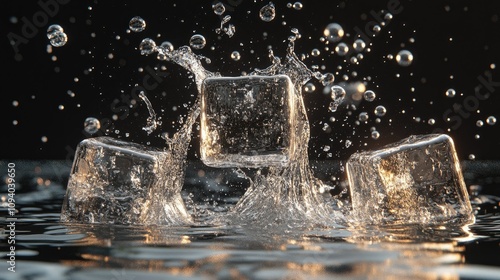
[(268, 12), (404, 58), (44, 139), (348, 143), (363, 116), (219, 8), (91, 125), (147, 46), (309, 87), (166, 45), (377, 28), (197, 42), (354, 60), (375, 135), (337, 94), (298, 6), (53, 30), (369, 95), (315, 52), (137, 24), (342, 49), (388, 17), (450, 93), (479, 123), (59, 39), (472, 157), (235, 56), (333, 32), (431, 121), (491, 120), (359, 45), (380, 111)]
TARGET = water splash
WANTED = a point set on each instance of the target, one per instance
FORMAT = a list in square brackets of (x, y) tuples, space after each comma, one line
[(152, 122)]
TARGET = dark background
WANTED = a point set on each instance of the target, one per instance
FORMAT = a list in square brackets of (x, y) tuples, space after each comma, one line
[(40, 81)]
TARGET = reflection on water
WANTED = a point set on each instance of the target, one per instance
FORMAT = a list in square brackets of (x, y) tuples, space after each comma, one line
[(48, 249)]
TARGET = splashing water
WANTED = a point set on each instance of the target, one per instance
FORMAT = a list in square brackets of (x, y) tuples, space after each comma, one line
[(152, 122)]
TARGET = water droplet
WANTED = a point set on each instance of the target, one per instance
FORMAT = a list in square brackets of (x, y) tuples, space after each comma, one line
[(348, 143), (44, 139), (15, 103), (337, 94), (298, 6), (53, 30), (342, 49), (309, 87), (380, 111), (147, 46), (450, 93), (235, 56), (197, 42), (315, 52), (404, 58), (388, 17), (369, 95), (359, 45), (91, 125), (479, 123), (491, 120), (375, 135), (166, 45), (219, 8), (377, 28), (333, 32), (363, 116), (472, 157), (137, 24), (328, 79), (431, 121), (268, 12)]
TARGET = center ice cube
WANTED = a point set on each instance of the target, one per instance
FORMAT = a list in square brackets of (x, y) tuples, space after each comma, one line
[(247, 121), (415, 181)]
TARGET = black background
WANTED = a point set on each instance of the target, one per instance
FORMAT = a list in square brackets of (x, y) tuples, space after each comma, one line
[(40, 85)]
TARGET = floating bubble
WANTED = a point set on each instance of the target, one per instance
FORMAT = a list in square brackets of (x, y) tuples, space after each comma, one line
[(44, 139), (348, 143), (298, 6), (197, 42), (353, 60), (450, 93), (333, 32), (337, 94), (377, 28), (53, 30), (363, 116), (369, 95), (315, 52), (219, 8), (166, 45), (472, 157), (404, 58), (491, 120), (137, 24), (380, 111), (235, 56), (342, 49), (147, 46), (431, 121), (479, 123), (268, 12), (91, 125), (59, 39), (375, 135), (359, 45), (388, 17), (309, 87)]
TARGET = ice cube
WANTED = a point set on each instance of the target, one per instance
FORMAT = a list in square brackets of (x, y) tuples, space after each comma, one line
[(113, 181), (415, 181), (247, 121)]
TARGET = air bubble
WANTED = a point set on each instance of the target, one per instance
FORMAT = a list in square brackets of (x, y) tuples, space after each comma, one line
[(235, 56), (166, 45), (479, 123), (359, 45), (56, 35), (147, 46), (363, 117), (491, 120), (450, 93), (375, 135), (342, 49), (309, 87), (298, 6), (219, 8)]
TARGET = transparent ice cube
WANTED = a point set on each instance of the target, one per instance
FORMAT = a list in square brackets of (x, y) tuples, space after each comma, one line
[(415, 181), (247, 121), (113, 181)]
